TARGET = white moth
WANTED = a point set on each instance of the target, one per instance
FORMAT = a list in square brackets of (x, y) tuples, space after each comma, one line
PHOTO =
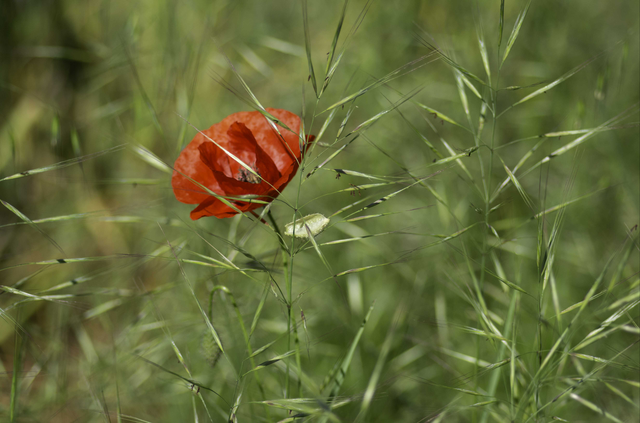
[(315, 222)]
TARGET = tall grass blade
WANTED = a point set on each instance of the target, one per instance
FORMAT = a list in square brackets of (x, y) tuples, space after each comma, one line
[(15, 377), (515, 32), (307, 46), (63, 164), (32, 224)]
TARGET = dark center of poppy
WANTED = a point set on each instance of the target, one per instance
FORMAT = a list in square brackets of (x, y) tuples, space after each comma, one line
[(246, 176)]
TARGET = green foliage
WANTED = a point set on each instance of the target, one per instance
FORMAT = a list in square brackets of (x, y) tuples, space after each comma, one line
[(496, 279)]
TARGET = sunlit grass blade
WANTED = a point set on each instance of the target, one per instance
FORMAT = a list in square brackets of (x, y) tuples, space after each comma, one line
[(521, 190), (151, 158), (387, 197), (283, 46), (578, 141), (566, 204), (463, 95), (254, 60), (336, 36), (553, 84), (483, 51), (442, 116), (271, 361), (63, 164), (514, 33)]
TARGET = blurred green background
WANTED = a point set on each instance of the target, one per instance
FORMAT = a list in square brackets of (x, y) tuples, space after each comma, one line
[(78, 78)]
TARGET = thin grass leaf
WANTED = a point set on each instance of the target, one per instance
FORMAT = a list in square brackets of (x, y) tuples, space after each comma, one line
[(32, 224), (424, 138), (384, 80), (331, 157), (213, 331), (102, 308), (627, 112), (271, 361), (387, 197), (143, 93), (631, 241), (594, 407), (254, 60), (359, 174), (564, 335), (316, 142), (471, 87), (332, 69), (367, 124), (501, 25), (362, 269), (358, 238), (191, 382), (397, 320), (615, 316), (515, 32), (374, 216), (462, 391), (15, 377), (307, 46), (262, 349), (451, 62), (456, 157), (258, 313), (336, 36), (337, 375), (283, 46), (622, 395)]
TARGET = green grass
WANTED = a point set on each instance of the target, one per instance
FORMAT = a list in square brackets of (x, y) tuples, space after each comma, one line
[(479, 163)]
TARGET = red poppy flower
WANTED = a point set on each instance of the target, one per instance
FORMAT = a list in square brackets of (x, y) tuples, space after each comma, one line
[(273, 158)]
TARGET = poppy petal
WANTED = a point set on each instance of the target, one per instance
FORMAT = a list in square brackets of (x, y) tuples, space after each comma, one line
[(190, 164), (251, 138), (241, 137)]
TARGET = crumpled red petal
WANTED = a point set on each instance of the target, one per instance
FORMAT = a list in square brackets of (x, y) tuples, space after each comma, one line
[(251, 138)]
